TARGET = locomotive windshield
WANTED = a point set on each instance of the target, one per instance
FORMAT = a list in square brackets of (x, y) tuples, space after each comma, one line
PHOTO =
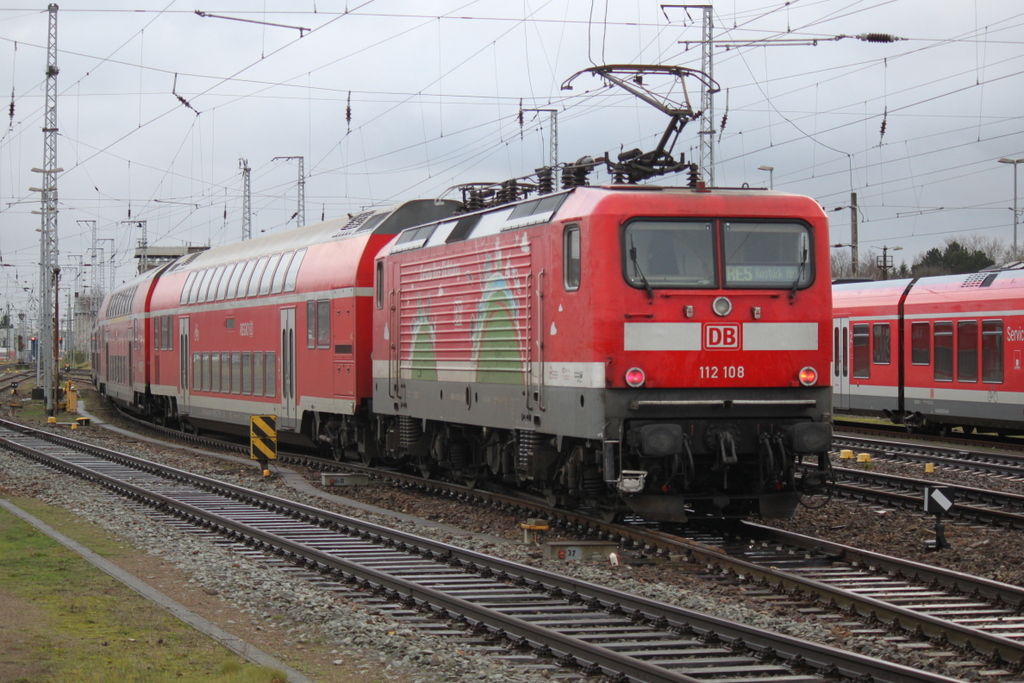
[(766, 255), (681, 254), (670, 254)]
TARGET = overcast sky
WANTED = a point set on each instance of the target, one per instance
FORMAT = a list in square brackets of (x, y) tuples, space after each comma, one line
[(389, 100)]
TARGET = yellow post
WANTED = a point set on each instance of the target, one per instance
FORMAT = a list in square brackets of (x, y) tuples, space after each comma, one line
[(863, 457), (929, 468), (846, 454)]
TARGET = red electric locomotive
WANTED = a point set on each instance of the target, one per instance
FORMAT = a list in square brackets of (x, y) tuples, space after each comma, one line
[(932, 353), (664, 349)]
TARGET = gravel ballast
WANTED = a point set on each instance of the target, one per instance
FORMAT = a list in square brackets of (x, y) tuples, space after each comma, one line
[(299, 615)]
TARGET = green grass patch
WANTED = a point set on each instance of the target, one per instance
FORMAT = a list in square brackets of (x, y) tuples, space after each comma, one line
[(61, 619)]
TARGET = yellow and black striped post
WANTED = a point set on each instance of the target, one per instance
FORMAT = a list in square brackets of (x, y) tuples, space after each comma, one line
[(263, 440)]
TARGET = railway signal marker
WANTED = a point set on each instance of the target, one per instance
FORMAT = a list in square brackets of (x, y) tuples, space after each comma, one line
[(938, 500), (263, 440)]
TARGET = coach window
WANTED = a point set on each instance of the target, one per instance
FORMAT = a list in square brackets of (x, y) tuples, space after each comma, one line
[(247, 373), (292, 276), (257, 274), (225, 280), (920, 344), (268, 274), (967, 351), (207, 372), (169, 333), (225, 373), (240, 278), (310, 324), (236, 372), (943, 344), (323, 324), (380, 285), (186, 288), (992, 351), (271, 383), (218, 275), (861, 351), (210, 285), (197, 286), (836, 358), (571, 258), (880, 347), (257, 373), (197, 371), (282, 270), (215, 373)]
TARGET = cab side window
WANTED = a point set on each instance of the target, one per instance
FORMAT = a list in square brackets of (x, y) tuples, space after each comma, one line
[(571, 257)]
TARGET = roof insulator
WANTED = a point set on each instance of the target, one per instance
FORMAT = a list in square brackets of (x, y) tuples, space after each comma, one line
[(878, 38)]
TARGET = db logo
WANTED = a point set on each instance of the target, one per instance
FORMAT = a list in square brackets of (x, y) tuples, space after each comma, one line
[(721, 336)]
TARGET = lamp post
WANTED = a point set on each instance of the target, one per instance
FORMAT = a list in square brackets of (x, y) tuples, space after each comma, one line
[(1004, 160), (771, 175), (884, 262)]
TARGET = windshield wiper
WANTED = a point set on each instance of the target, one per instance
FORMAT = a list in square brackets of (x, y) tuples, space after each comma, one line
[(636, 266), (799, 274)]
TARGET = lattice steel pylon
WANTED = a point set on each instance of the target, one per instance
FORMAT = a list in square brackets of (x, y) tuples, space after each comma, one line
[(48, 251), (246, 200), (300, 212), (707, 98)]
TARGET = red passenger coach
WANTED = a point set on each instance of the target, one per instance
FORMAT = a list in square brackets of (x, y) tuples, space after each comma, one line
[(933, 353), (120, 361), (276, 325), (663, 348)]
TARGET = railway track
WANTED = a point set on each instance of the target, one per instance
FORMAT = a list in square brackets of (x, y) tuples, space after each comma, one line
[(973, 504), (572, 625), (967, 612), (1007, 463)]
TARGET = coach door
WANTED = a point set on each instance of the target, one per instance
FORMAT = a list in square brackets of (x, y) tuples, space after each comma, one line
[(841, 364), (288, 401), (184, 363)]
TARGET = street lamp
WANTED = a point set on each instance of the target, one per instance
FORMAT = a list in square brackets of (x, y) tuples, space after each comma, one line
[(1004, 160), (884, 262), (771, 175)]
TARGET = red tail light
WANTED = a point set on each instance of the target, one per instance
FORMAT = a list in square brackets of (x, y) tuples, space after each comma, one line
[(808, 376), (635, 377)]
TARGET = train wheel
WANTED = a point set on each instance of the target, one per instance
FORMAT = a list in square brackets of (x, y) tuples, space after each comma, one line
[(333, 451), (426, 469)]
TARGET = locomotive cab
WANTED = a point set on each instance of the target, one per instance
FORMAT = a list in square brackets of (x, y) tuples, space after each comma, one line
[(721, 381)]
